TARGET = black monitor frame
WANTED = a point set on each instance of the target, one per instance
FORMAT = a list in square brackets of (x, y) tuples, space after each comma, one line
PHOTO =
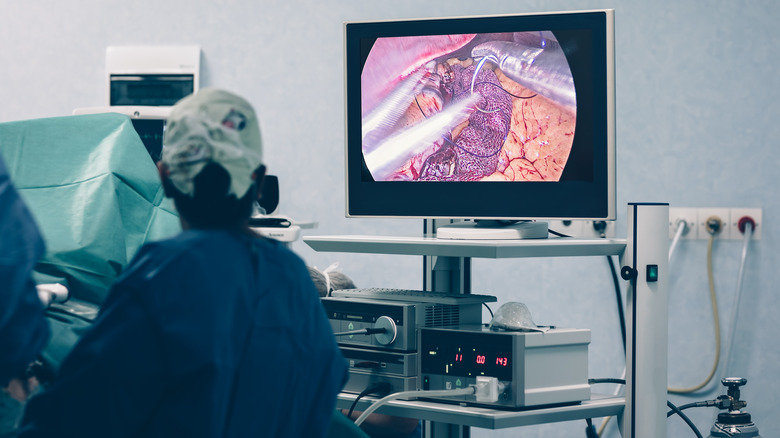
[(587, 188)]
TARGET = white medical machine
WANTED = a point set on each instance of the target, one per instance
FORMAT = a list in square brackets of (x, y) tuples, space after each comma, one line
[(144, 82)]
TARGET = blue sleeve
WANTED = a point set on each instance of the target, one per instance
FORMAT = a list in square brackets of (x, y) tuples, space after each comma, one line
[(23, 328), (109, 384)]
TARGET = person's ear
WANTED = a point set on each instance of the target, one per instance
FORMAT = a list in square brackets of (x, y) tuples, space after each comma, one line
[(259, 177), (164, 173)]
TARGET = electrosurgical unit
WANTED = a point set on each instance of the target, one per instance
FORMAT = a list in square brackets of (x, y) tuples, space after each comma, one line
[(398, 320), (378, 337), (520, 368)]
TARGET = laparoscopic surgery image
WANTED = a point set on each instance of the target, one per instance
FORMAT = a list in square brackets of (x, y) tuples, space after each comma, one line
[(204, 327), (472, 107)]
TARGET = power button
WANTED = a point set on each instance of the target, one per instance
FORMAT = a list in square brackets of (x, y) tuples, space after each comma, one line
[(652, 273)]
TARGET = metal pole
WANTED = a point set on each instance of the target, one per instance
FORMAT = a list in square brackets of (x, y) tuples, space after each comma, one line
[(645, 266)]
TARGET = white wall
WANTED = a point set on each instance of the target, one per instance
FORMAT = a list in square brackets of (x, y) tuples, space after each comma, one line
[(697, 103)]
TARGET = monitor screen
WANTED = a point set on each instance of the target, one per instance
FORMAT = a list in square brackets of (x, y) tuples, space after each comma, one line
[(151, 132), (496, 117)]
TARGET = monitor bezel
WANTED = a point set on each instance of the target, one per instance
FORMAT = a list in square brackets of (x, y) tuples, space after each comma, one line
[(570, 199)]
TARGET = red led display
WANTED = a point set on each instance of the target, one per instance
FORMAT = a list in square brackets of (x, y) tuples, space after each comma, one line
[(465, 354)]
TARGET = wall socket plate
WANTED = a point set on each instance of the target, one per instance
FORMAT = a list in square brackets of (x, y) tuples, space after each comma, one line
[(739, 213), (689, 216), (705, 214), (696, 218)]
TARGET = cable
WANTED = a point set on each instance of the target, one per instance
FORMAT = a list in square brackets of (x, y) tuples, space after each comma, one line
[(622, 318), (716, 320), (489, 310), (700, 404), (615, 281), (607, 380), (685, 418), (748, 234), (678, 233), (555, 233), (675, 409), (377, 388), (601, 228), (413, 394), (681, 227), (590, 431), (619, 298), (605, 421)]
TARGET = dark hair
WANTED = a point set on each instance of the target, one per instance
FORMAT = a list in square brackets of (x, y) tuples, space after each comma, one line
[(211, 206)]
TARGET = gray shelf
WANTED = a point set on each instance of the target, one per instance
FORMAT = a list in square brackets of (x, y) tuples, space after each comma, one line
[(495, 249), (598, 406), (437, 412)]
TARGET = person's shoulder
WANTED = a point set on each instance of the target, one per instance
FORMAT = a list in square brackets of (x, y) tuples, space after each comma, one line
[(170, 247), (202, 246), (278, 253), (157, 256), (273, 246)]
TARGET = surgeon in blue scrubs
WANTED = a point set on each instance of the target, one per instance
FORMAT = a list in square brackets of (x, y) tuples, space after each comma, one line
[(216, 332), (23, 328)]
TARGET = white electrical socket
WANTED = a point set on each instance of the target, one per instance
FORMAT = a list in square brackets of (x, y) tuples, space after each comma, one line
[(704, 214), (687, 215), (739, 213)]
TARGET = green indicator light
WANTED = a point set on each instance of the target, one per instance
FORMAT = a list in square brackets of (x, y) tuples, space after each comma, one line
[(652, 273)]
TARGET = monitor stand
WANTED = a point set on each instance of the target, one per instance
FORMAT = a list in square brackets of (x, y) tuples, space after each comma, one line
[(493, 230)]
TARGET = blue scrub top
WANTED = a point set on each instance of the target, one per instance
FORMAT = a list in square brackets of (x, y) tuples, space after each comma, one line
[(23, 329), (207, 334)]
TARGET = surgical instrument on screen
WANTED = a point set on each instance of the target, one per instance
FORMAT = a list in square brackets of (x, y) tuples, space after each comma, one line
[(543, 70), (390, 154)]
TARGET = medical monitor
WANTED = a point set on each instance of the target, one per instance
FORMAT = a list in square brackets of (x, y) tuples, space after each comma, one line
[(507, 117), (148, 121)]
